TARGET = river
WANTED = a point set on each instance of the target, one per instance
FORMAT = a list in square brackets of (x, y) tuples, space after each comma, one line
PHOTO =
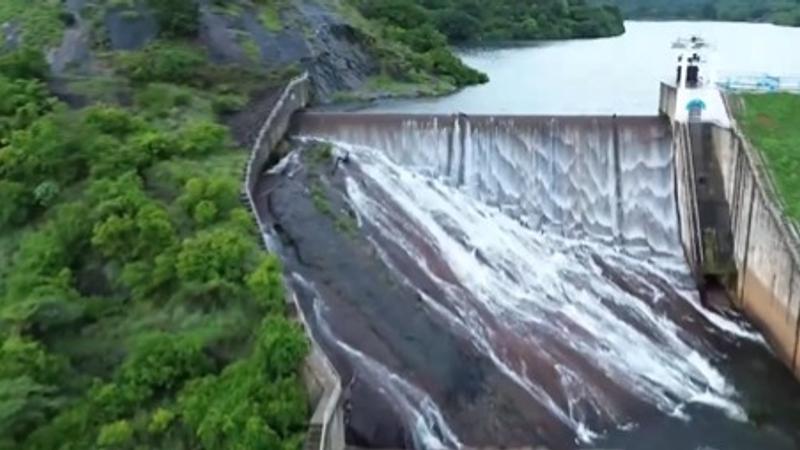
[(617, 75)]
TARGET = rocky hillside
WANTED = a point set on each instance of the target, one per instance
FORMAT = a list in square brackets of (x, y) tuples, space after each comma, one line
[(352, 48), (329, 38)]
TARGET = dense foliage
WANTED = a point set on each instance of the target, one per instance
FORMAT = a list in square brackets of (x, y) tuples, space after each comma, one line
[(136, 307), (770, 121), (782, 12), (498, 20), (413, 36)]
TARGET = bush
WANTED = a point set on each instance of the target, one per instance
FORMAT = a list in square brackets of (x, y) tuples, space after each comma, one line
[(15, 203), (266, 285), (25, 63), (176, 18), (202, 137), (221, 254), (163, 362), (115, 435), (164, 62), (21, 103), (457, 25), (112, 120)]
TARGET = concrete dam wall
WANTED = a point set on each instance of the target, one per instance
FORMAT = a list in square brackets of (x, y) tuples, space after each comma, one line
[(578, 176), (765, 245), (514, 281)]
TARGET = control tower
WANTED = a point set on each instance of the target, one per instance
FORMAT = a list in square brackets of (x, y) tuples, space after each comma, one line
[(698, 99)]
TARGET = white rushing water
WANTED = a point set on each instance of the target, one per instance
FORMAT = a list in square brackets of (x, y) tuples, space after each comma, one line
[(530, 237)]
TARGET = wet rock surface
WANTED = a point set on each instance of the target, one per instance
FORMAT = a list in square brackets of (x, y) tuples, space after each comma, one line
[(428, 360), (367, 306)]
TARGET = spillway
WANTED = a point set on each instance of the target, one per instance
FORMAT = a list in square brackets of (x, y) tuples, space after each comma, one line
[(510, 281)]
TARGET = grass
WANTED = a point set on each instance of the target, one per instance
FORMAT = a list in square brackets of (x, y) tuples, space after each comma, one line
[(39, 20), (320, 200), (771, 121), (321, 153)]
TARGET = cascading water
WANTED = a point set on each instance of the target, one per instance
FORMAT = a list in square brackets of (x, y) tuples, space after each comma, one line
[(531, 290)]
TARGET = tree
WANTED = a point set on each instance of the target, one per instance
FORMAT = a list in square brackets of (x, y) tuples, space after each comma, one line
[(266, 285), (115, 435), (24, 63), (160, 421), (164, 62), (202, 137), (208, 198), (23, 405), (457, 25), (15, 203), (23, 357), (281, 347), (205, 212), (220, 254), (163, 362), (46, 193)]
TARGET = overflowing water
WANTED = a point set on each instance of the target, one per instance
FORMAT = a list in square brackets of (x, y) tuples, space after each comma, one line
[(548, 246)]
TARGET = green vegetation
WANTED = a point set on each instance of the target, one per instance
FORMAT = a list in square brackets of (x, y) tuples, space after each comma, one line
[(770, 121), (781, 12), (411, 38), (176, 18), (40, 22), (499, 20), (270, 15), (137, 309)]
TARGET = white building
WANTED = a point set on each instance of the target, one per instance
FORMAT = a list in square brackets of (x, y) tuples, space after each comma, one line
[(697, 97)]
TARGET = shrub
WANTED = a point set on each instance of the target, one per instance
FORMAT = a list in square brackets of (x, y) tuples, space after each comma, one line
[(115, 434), (15, 203), (176, 18), (163, 362), (25, 63), (266, 285), (165, 62), (202, 137)]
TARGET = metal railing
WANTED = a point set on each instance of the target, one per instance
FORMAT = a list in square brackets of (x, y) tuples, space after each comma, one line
[(759, 82)]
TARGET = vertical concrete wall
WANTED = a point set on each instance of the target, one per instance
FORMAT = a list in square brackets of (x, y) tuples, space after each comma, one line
[(686, 198), (668, 101), (721, 184), (326, 427), (765, 245)]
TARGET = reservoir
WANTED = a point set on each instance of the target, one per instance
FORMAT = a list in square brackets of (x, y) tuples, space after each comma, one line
[(617, 75)]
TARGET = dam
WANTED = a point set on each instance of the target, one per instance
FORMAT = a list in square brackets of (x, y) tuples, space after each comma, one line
[(499, 281)]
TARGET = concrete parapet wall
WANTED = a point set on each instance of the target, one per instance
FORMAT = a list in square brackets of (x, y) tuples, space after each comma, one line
[(686, 198), (668, 101), (326, 427)]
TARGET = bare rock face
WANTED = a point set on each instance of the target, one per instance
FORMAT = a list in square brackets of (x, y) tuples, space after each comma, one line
[(313, 37), (310, 35)]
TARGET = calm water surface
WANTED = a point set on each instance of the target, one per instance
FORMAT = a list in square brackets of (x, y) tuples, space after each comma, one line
[(604, 76)]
